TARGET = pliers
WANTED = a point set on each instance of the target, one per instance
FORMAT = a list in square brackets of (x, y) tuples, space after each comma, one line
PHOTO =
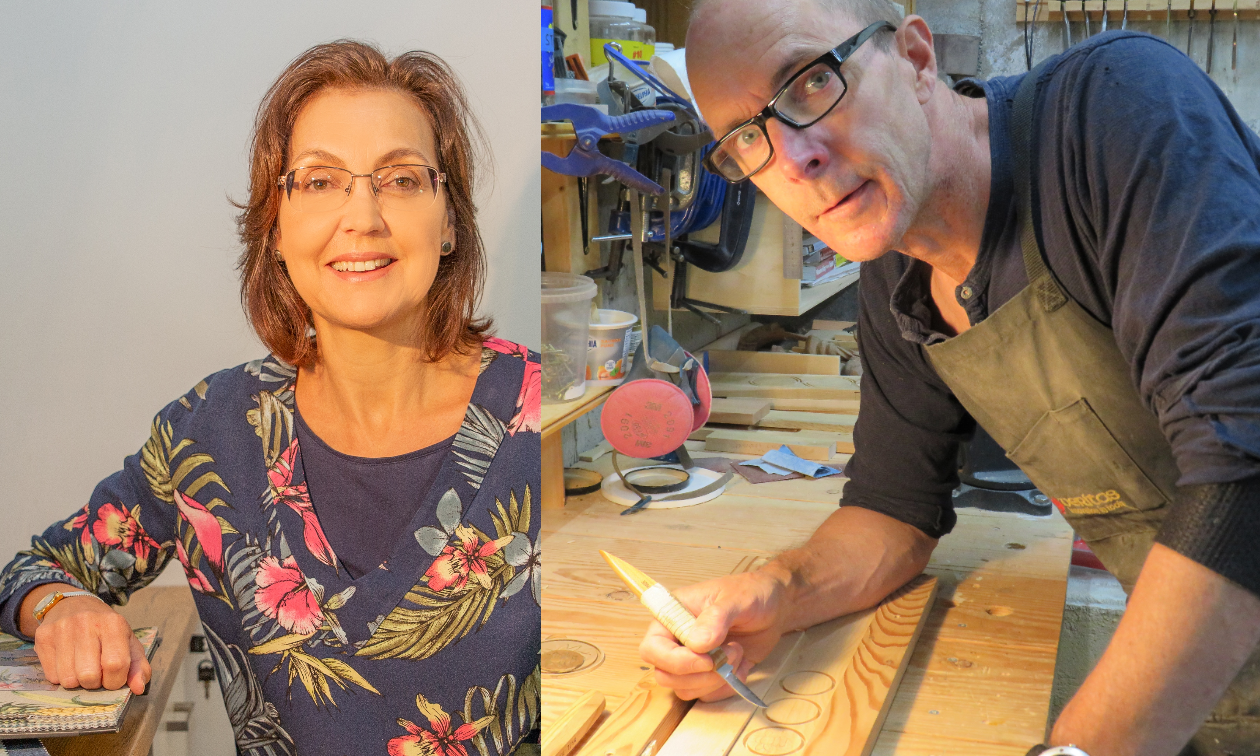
[(590, 125)]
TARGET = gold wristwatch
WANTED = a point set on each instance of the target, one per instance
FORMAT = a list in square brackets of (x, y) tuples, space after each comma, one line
[(48, 602)]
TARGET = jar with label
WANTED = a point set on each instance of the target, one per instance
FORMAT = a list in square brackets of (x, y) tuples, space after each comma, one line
[(614, 21)]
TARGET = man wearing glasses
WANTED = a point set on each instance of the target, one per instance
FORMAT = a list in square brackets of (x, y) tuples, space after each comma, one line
[(1113, 353)]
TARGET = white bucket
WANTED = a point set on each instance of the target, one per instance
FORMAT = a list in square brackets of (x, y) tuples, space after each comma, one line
[(608, 348)]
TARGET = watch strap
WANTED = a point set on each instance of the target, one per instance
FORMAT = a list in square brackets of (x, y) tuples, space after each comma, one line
[(1041, 749), (46, 604)]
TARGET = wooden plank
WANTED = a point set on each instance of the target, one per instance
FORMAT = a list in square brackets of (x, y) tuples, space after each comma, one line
[(172, 611), (833, 325), (776, 386), (565, 733), (738, 411), (562, 217), (733, 361), (552, 461), (833, 696), (817, 421), (830, 406), (558, 698), (820, 447), (710, 729), (556, 416), (643, 720), (738, 523), (595, 452)]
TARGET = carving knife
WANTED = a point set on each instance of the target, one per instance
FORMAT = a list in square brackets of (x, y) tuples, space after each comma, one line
[(675, 617)]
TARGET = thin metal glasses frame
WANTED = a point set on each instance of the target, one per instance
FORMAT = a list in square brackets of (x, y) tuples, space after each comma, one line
[(285, 181), (833, 59)]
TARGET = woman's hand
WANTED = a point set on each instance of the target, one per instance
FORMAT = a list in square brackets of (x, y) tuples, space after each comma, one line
[(83, 642)]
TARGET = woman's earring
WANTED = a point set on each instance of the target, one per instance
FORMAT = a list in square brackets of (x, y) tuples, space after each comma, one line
[(446, 248), (279, 257)]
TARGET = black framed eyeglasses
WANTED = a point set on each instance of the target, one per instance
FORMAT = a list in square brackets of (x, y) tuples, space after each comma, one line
[(807, 97), (320, 188)]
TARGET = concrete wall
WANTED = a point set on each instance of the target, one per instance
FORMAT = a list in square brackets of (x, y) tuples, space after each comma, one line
[(118, 292)]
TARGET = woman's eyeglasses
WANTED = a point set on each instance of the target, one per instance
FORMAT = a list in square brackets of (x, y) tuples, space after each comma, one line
[(319, 188), (809, 95)]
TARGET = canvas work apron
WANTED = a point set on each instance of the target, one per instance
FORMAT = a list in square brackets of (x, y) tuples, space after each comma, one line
[(1049, 384)]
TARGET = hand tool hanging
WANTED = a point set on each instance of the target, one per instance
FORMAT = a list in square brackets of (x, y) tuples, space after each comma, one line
[(1124, 18), (1211, 35), (1030, 33), (1234, 56), (1168, 25), (1067, 27), (1190, 35)]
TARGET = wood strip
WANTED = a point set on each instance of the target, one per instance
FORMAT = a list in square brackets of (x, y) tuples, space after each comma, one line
[(644, 720), (552, 461), (818, 447), (831, 406), (710, 729), (833, 325), (818, 421), (789, 363), (565, 733), (777, 386), (738, 411), (833, 696)]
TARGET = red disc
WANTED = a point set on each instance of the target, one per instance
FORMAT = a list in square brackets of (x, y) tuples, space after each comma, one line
[(646, 418), (705, 394)]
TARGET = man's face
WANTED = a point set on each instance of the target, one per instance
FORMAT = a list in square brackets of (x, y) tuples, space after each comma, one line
[(857, 178)]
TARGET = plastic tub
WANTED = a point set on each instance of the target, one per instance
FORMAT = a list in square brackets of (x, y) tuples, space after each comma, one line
[(566, 316), (607, 358)]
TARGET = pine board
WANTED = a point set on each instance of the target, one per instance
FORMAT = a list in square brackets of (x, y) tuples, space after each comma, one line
[(815, 421), (833, 406), (567, 730), (732, 361), (745, 411), (834, 693), (710, 729), (820, 447), (636, 728), (778, 386)]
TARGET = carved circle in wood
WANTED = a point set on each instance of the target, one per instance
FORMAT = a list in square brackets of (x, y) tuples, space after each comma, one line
[(774, 741), (1000, 611), (808, 683), (563, 656), (792, 711)]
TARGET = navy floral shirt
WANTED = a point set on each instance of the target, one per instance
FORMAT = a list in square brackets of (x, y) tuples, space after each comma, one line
[(434, 652)]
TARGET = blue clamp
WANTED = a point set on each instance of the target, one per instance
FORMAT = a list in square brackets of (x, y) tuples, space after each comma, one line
[(590, 124)]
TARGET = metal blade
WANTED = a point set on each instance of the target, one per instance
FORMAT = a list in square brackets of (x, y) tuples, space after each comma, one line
[(728, 673)]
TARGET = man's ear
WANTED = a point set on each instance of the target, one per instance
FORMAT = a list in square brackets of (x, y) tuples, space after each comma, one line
[(914, 44)]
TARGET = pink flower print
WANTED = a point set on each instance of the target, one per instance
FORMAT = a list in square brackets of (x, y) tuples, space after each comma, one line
[(284, 596), (79, 523), (503, 346), (458, 562), (528, 415), (115, 526), (196, 578), (442, 741), (206, 526), (298, 498)]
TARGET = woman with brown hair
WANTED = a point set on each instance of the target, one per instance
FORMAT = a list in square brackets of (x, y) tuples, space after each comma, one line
[(355, 512)]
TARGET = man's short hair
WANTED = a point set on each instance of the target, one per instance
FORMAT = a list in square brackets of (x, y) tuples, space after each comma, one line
[(865, 12)]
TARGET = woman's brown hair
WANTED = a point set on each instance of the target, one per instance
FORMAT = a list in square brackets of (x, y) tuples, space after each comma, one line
[(272, 304)]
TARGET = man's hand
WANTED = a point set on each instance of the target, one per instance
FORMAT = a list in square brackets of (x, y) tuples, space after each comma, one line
[(739, 609), (83, 642), (854, 559), (1185, 634)]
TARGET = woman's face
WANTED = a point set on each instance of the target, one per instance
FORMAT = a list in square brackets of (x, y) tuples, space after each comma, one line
[(395, 244)]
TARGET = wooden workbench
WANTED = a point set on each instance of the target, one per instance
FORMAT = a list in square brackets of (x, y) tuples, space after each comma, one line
[(980, 677), (172, 611)]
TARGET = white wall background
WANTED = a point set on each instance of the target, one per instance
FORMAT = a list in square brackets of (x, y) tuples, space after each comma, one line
[(124, 128)]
